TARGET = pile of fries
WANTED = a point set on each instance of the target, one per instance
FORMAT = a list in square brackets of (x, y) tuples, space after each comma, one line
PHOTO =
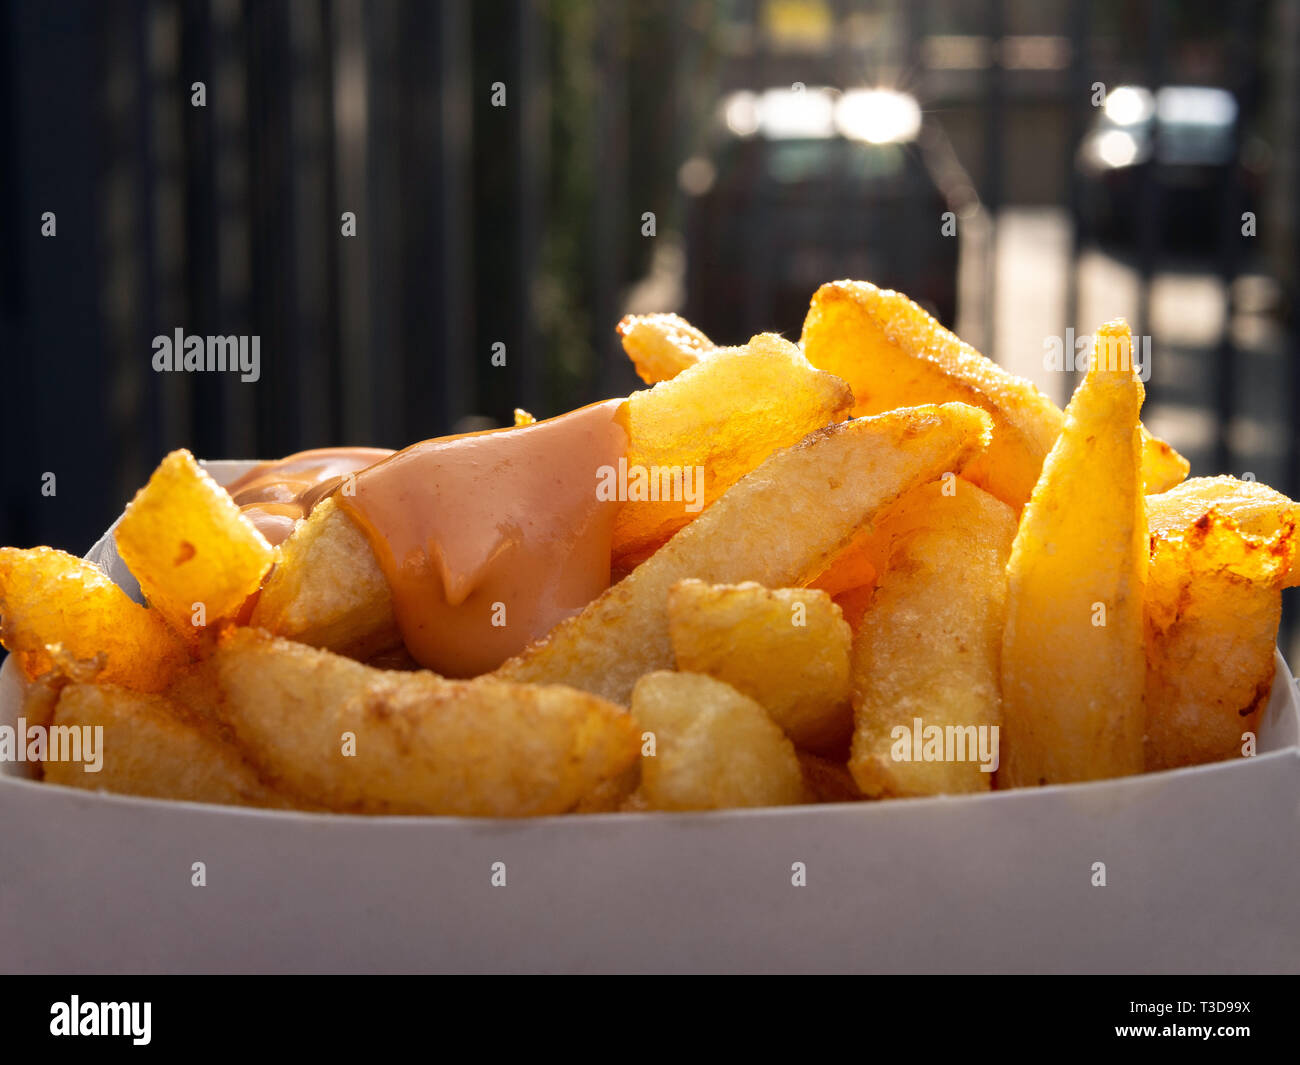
[(910, 574)]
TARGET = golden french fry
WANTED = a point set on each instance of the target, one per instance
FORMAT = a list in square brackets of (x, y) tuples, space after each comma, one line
[(929, 646), (60, 612), (777, 526), (1073, 667), (714, 748), (154, 747), (328, 590), (420, 744), (197, 558), (1213, 603), (785, 648), (691, 438), (662, 345), (893, 354)]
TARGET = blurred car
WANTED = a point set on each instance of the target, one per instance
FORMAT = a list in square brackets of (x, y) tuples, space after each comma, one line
[(1185, 139), (806, 184)]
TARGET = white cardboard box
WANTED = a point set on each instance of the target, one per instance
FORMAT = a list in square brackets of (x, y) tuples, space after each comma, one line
[(1202, 871)]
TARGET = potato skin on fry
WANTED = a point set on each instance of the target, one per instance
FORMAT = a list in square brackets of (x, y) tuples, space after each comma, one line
[(156, 748), (187, 543), (785, 648), (893, 354), (930, 644), (778, 526), (1073, 670), (328, 591), (60, 611), (423, 745), (714, 747)]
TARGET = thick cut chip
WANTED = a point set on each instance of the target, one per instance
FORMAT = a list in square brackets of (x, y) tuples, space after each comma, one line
[(60, 612), (1073, 667), (328, 590), (1258, 511), (364, 740), (927, 655), (893, 354), (786, 648), (714, 748), (197, 558), (1213, 603), (662, 345), (149, 745), (778, 526), (691, 438)]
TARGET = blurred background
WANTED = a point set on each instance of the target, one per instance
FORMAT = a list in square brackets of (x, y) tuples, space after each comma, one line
[(524, 172)]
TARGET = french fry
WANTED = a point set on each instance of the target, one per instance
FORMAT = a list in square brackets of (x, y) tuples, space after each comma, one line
[(61, 613), (778, 526), (714, 748), (1073, 671), (197, 558), (893, 354), (328, 591), (929, 646), (662, 345), (785, 648), (420, 744), (1213, 603), (154, 747)]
